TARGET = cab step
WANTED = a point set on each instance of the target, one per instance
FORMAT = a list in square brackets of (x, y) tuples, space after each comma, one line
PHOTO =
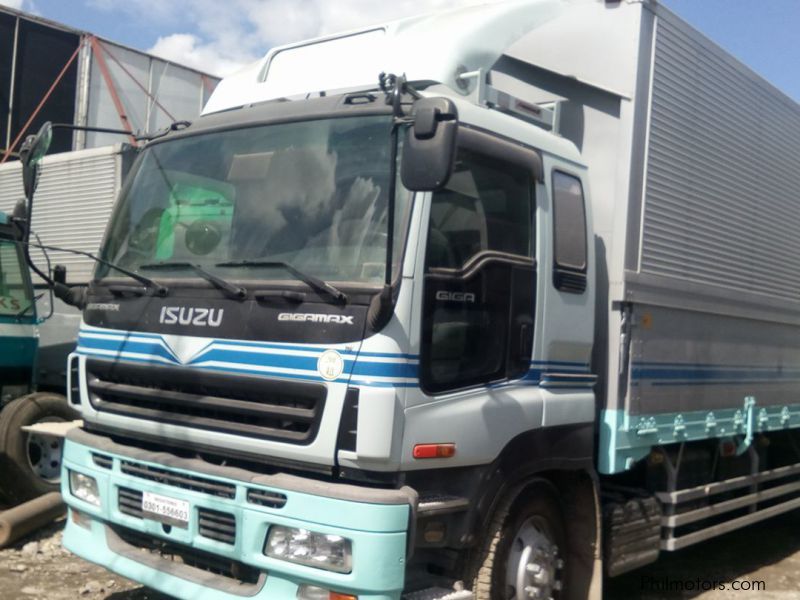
[(438, 505)]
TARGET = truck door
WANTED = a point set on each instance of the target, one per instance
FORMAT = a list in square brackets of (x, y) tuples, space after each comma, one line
[(480, 272)]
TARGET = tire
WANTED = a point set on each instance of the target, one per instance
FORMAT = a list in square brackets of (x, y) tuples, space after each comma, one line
[(536, 512), (30, 464)]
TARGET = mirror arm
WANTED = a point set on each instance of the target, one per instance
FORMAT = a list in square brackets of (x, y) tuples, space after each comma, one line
[(71, 295)]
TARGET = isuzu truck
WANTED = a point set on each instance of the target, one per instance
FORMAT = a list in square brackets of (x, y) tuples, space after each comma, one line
[(488, 303)]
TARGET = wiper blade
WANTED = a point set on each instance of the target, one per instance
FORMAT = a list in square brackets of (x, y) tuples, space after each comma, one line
[(159, 289), (316, 284), (20, 314), (230, 290)]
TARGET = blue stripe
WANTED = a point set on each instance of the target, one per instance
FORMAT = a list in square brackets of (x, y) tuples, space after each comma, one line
[(561, 363), (124, 335), (127, 346), (281, 361), (712, 375)]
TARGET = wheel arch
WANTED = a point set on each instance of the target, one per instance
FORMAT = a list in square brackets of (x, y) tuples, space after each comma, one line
[(562, 459)]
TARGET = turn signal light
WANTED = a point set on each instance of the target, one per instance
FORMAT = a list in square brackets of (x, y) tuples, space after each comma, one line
[(434, 451), (312, 592)]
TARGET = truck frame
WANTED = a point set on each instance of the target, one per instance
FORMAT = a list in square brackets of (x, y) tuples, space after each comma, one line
[(565, 344)]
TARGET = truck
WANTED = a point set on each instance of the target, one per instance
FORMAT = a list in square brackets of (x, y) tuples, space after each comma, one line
[(494, 303), (30, 462), (40, 331), (75, 195)]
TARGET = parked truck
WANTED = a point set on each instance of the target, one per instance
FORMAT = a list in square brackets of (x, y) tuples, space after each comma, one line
[(487, 303), (75, 197), (30, 462)]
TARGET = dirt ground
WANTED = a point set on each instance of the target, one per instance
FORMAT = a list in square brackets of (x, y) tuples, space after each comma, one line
[(38, 568)]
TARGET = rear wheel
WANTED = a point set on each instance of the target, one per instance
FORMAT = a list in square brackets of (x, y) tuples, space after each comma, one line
[(30, 463), (521, 555)]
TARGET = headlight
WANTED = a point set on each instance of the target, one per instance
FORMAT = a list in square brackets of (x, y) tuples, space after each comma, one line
[(301, 546), (84, 488)]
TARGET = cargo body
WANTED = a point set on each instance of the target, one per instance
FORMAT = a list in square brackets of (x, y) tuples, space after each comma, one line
[(590, 350)]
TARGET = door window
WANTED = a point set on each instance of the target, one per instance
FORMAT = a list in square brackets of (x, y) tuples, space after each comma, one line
[(480, 277)]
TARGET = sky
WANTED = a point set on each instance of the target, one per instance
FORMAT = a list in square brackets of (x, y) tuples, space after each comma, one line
[(219, 36)]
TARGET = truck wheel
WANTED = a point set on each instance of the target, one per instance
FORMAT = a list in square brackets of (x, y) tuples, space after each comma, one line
[(520, 556), (30, 463)]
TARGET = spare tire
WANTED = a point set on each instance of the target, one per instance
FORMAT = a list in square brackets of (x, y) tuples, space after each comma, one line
[(30, 463)]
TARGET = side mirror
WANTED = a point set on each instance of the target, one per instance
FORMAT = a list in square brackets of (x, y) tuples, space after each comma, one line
[(31, 153), (430, 145)]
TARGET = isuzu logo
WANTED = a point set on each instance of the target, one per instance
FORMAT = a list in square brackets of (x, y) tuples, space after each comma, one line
[(316, 318), (199, 317), (445, 296)]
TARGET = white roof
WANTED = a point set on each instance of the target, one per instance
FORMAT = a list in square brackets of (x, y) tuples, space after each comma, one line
[(436, 47)]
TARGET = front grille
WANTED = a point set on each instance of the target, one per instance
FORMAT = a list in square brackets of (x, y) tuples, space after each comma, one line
[(192, 557), (265, 498), (212, 524), (186, 482), (130, 502), (286, 411), (102, 461), (216, 525)]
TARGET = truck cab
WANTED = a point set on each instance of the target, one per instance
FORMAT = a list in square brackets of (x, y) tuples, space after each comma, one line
[(18, 339)]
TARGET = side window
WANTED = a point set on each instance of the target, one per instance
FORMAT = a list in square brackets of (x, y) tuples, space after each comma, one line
[(14, 291), (569, 234), (480, 276), (486, 205)]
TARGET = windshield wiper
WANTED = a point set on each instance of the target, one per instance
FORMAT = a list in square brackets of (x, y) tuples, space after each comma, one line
[(230, 290), (158, 289), (316, 284), (20, 314)]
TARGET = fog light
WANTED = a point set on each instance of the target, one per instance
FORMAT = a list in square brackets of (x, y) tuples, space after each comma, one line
[(84, 488), (312, 592), (304, 547)]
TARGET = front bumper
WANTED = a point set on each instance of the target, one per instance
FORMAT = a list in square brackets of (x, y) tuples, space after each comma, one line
[(377, 522)]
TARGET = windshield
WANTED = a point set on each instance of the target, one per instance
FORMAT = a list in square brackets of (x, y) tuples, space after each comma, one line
[(256, 203), (15, 293)]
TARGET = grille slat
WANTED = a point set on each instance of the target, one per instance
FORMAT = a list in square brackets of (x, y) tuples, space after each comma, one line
[(205, 402), (186, 482), (102, 461), (286, 411), (217, 525), (264, 498), (130, 502)]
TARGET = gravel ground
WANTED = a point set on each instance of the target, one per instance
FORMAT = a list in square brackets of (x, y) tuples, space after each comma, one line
[(39, 568)]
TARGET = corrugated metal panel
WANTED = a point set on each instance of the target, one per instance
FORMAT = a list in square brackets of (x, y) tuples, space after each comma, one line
[(722, 203), (73, 203)]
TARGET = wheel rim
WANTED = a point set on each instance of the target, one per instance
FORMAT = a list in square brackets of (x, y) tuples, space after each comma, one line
[(534, 567), (44, 454)]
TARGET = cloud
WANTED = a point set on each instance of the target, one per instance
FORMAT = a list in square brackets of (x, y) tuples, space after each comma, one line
[(17, 4), (189, 50), (219, 37)]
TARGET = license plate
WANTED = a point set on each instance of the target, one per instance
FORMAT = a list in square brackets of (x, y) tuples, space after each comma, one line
[(166, 510)]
